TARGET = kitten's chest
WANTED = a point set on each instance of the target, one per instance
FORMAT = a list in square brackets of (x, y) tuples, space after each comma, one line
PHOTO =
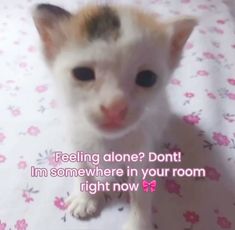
[(133, 143)]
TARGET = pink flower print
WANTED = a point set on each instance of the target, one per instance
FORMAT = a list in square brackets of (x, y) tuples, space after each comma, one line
[(211, 95), (59, 203), (202, 73), (15, 112), (33, 131), (221, 56), (23, 65), (212, 173), (172, 187), (201, 31), (22, 165), (28, 199), (2, 137), (189, 95), (231, 96), (175, 149), (191, 217), (53, 103), (218, 30), (27, 196), (203, 7), (224, 223), (231, 81), (189, 45), (2, 158), (220, 21), (191, 119), (41, 88), (229, 117), (209, 55), (31, 49), (21, 224), (221, 139), (175, 81), (52, 161), (2, 225)]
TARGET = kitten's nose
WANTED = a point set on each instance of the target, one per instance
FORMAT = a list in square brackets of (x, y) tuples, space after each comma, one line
[(115, 112)]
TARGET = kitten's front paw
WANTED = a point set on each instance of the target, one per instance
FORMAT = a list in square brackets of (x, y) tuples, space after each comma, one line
[(82, 206)]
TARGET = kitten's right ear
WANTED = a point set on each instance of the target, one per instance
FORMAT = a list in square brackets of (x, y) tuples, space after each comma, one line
[(179, 30), (47, 19)]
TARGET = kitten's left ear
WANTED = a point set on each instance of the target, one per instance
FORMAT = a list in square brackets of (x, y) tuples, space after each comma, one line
[(179, 31), (47, 19)]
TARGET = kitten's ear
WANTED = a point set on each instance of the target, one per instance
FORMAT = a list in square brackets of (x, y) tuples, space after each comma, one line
[(47, 19), (179, 31)]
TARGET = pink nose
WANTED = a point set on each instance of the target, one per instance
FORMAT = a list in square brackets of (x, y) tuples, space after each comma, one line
[(116, 112)]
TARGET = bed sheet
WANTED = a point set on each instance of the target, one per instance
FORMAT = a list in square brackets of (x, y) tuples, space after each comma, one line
[(201, 93)]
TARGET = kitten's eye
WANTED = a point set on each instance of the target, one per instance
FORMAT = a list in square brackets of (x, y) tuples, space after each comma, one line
[(146, 78), (84, 73)]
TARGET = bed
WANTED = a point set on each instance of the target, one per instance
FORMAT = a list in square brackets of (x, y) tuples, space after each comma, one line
[(202, 97)]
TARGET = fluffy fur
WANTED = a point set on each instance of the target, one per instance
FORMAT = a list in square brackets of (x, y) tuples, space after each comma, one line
[(117, 42)]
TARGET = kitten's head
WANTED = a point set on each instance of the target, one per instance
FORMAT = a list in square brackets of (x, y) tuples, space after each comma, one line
[(111, 62)]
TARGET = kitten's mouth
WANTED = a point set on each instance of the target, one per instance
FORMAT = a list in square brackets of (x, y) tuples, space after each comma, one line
[(112, 126), (114, 129)]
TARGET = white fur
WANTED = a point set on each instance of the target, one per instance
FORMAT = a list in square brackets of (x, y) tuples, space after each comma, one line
[(116, 65)]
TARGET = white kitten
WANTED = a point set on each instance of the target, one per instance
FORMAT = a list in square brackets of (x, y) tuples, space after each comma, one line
[(111, 65)]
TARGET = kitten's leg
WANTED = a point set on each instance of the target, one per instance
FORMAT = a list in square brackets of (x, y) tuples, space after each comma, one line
[(83, 204), (141, 211)]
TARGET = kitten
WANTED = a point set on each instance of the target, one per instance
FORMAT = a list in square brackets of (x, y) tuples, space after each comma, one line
[(112, 65)]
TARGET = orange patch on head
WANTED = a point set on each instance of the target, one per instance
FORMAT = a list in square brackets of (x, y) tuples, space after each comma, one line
[(77, 24), (94, 22)]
